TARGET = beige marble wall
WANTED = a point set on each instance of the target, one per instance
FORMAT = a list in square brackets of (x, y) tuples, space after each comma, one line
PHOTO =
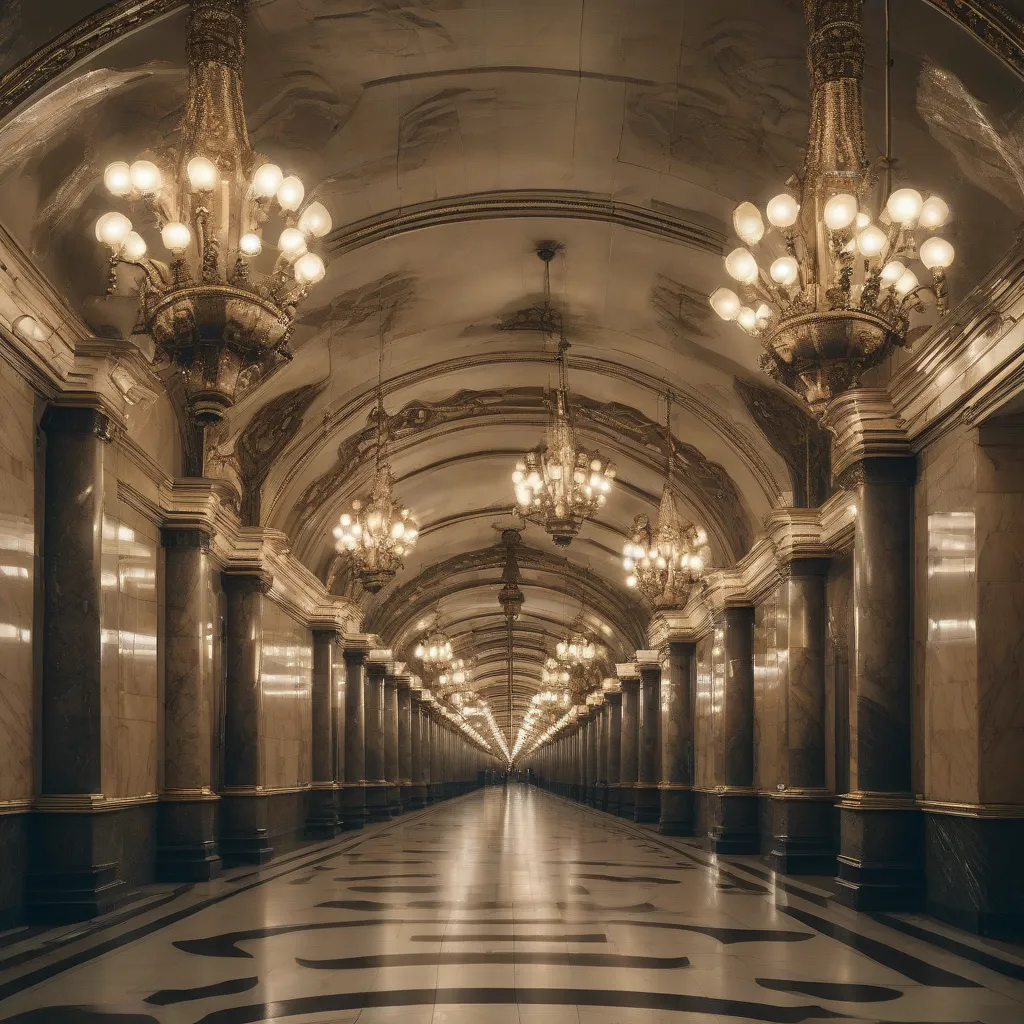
[(709, 695), (130, 666), (18, 573), (769, 719), (287, 680)]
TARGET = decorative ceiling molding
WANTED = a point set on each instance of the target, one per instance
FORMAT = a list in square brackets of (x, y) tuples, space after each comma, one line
[(988, 22), (508, 204)]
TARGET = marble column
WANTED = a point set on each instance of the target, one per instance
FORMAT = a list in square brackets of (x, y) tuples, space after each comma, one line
[(376, 767), (436, 757), (881, 862), (677, 741), (339, 675), (355, 814), (601, 756), (418, 771), (733, 807), (647, 802), (75, 851), (322, 813), (629, 765), (613, 708), (391, 772), (187, 849), (405, 774), (244, 811), (801, 807), (426, 750)]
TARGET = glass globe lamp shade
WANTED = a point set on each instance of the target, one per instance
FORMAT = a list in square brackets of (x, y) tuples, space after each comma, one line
[(741, 266), (904, 205), (892, 272), (145, 177), (267, 180), (112, 229), (747, 318), (840, 211), (118, 178), (202, 174), (176, 236), (134, 247), (292, 242), (934, 213), (250, 244), (291, 193), (725, 302), (315, 220), (783, 211), (873, 242), (309, 269), (907, 283), (936, 253), (746, 219), (785, 271)]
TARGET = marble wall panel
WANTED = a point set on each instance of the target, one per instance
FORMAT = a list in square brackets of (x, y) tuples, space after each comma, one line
[(286, 677), (131, 566), (709, 706), (18, 575), (153, 427), (768, 717)]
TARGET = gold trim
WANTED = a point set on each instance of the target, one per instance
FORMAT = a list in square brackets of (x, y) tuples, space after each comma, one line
[(185, 795), (88, 803), (1003, 812), (876, 802), (16, 806)]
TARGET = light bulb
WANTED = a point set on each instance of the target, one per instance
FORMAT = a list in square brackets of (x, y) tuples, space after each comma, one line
[(873, 242), (907, 283), (746, 318), (763, 314), (267, 180), (202, 174), (905, 205), (134, 247), (862, 220), (746, 219), (176, 236), (934, 213), (309, 269), (783, 211), (785, 271), (936, 253), (250, 244), (892, 272), (112, 229), (292, 242), (840, 211), (290, 194), (741, 266), (315, 220), (118, 178), (145, 176)]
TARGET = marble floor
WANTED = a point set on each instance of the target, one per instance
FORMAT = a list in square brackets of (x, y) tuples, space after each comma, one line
[(506, 906)]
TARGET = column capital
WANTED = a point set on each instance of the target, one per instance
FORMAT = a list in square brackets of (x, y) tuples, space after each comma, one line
[(864, 424), (77, 419), (357, 645), (327, 634), (626, 671), (239, 578), (187, 537)]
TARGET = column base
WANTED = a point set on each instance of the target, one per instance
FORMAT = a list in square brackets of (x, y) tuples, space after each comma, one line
[(881, 856), (733, 823), (627, 801), (187, 848), (74, 875), (353, 808), (601, 797), (646, 803), (394, 801), (405, 796), (801, 835), (377, 803), (614, 796), (245, 835), (417, 796), (322, 815), (677, 818)]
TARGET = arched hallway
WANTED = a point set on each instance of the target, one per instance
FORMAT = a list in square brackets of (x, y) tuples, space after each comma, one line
[(507, 904)]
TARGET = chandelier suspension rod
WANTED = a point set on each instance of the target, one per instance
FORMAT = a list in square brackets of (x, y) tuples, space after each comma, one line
[(888, 99), (380, 379)]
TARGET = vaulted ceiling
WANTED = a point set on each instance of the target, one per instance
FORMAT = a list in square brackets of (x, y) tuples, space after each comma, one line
[(448, 138)]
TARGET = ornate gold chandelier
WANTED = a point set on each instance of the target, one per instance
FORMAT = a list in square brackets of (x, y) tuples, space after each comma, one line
[(835, 288), (435, 651), (560, 484), (218, 308), (379, 531), (666, 561)]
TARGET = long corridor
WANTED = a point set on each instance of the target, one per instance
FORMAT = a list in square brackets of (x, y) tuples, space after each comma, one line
[(506, 905)]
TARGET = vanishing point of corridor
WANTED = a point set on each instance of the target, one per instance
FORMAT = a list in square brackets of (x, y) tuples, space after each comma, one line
[(506, 905)]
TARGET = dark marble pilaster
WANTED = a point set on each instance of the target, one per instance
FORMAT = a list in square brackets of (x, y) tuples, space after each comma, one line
[(734, 826), (391, 772), (418, 770), (629, 750), (613, 710), (354, 812), (376, 767), (436, 757), (405, 774), (881, 860), (187, 848), (244, 811), (601, 755), (647, 804), (322, 812), (677, 742)]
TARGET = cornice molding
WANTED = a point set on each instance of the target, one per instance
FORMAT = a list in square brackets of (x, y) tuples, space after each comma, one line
[(865, 424)]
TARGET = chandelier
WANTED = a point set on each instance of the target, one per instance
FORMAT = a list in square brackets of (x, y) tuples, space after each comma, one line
[(559, 484), (435, 649), (455, 680), (836, 284), (577, 648), (218, 307), (665, 562), (379, 530)]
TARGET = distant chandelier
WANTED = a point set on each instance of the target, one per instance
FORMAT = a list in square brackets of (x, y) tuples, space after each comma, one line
[(836, 287), (560, 484), (666, 562), (576, 649), (379, 530), (435, 651), (455, 680), (207, 309)]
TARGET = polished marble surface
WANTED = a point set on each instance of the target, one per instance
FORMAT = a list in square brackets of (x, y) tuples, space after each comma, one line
[(507, 905)]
